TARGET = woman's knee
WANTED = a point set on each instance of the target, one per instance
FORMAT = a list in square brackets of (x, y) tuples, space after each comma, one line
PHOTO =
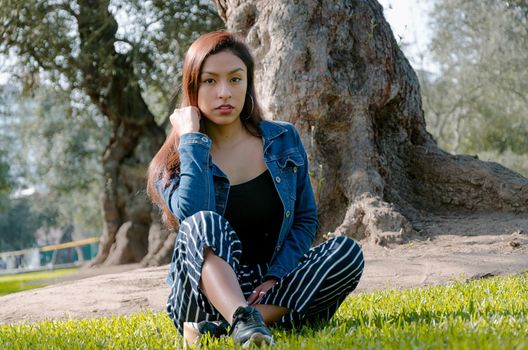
[(203, 222), (209, 229), (200, 216), (349, 247)]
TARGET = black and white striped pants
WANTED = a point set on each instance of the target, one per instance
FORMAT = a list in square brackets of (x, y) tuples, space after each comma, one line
[(312, 292)]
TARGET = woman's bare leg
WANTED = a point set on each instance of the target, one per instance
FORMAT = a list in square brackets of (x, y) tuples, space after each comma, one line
[(271, 313), (220, 285)]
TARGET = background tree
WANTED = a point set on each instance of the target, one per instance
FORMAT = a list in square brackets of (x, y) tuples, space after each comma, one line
[(56, 148), (335, 70), (5, 182), (478, 101), (332, 68), (18, 224), (126, 72)]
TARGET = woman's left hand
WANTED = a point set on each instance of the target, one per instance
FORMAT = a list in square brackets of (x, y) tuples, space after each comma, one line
[(260, 291)]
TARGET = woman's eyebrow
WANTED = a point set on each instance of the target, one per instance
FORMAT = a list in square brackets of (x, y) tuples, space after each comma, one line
[(231, 72)]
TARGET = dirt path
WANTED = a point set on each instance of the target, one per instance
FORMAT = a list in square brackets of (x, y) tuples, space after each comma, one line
[(450, 247)]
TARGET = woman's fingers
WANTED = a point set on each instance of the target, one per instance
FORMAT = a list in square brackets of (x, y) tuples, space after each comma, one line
[(186, 119), (253, 297), (260, 296), (259, 292), (256, 296)]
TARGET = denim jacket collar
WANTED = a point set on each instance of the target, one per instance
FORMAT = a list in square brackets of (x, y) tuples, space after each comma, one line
[(271, 130), (268, 131)]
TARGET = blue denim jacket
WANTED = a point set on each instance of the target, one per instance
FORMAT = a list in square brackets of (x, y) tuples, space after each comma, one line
[(201, 185)]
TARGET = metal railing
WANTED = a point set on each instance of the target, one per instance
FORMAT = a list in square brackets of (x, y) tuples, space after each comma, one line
[(68, 254)]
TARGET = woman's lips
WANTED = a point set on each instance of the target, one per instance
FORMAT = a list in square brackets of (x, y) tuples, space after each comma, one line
[(225, 109)]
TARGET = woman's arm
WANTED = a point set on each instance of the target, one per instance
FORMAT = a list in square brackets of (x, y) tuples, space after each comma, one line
[(191, 190)]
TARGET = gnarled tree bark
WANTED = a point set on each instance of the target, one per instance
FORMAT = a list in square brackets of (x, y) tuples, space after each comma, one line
[(334, 69), (110, 82)]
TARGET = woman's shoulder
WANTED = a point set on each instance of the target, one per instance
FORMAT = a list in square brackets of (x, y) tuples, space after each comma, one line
[(277, 127), (279, 123)]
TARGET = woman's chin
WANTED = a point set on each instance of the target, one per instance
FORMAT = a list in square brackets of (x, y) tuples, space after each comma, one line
[(224, 119)]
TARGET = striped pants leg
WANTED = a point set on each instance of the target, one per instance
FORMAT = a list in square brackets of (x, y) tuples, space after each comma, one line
[(312, 291), (186, 302), (315, 289)]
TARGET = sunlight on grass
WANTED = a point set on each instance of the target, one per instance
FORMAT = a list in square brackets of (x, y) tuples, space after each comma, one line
[(485, 314), (30, 280)]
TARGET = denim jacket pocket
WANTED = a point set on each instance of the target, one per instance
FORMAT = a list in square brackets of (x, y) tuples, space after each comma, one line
[(290, 161), (289, 165)]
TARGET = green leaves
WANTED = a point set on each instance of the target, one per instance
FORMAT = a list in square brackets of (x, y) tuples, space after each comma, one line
[(85, 69), (478, 101)]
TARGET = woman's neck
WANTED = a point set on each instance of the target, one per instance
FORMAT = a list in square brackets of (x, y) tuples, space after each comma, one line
[(226, 136)]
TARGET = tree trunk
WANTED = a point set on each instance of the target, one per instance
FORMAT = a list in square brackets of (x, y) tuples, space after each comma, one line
[(334, 69), (110, 82)]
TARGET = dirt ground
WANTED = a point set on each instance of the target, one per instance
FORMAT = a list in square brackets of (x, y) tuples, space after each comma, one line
[(451, 246)]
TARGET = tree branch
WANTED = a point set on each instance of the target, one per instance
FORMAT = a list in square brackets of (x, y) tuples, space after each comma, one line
[(221, 7)]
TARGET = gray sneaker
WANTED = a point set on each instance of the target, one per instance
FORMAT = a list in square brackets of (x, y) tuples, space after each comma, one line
[(249, 328), (193, 332)]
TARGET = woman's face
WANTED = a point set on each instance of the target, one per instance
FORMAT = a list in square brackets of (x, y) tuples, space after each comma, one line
[(223, 85)]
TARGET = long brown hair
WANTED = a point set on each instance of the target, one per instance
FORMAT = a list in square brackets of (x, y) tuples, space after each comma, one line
[(166, 163)]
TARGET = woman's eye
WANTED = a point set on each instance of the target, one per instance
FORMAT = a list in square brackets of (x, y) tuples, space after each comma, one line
[(236, 79), (208, 81)]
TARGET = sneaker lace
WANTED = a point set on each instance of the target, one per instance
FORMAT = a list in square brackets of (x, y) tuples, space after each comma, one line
[(252, 317), (246, 316)]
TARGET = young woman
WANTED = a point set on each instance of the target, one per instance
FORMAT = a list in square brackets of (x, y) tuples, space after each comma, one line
[(240, 190)]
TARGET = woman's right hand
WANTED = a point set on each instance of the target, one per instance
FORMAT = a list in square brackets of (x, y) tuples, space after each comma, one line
[(185, 120)]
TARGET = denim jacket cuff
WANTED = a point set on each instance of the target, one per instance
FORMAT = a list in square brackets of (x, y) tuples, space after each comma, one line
[(275, 272), (195, 138)]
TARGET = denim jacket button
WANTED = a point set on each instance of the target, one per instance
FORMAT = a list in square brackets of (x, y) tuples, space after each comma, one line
[(288, 214), (278, 179), (294, 169), (204, 139)]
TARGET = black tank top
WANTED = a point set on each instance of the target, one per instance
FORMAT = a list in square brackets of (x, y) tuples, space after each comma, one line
[(254, 210)]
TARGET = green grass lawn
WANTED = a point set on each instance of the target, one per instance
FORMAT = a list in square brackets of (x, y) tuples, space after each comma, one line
[(16, 283), (485, 314)]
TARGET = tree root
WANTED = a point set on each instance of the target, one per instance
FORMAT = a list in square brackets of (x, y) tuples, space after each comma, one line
[(376, 220), (460, 181), (160, 252)]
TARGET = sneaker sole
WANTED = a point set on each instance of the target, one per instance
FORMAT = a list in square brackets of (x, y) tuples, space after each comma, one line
[(191, 334), (258, 339)]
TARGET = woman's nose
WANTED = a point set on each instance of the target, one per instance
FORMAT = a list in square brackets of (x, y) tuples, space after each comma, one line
[(224, 90)]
